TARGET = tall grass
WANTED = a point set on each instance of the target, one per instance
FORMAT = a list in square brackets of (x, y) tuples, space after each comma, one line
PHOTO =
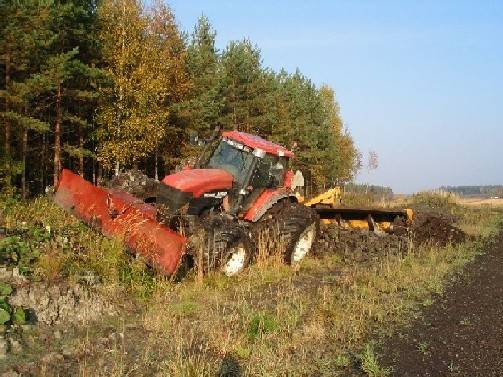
[(270, 320)]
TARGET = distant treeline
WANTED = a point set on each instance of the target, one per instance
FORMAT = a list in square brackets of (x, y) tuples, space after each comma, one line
[(377, 191), (98, 86), (494, 190)]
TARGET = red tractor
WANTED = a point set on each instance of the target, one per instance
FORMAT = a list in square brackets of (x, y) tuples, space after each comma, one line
[(239, 187)]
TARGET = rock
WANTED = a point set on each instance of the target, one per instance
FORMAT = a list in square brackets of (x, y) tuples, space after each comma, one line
[(15, 346), (3, 348), (15, 272), (55, 304), (4, 273), (27, 327)]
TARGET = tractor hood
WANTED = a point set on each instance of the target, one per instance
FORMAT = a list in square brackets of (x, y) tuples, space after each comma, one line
[(199, 181)]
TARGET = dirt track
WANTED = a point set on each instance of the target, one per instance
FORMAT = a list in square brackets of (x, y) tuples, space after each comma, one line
[(461, 334)]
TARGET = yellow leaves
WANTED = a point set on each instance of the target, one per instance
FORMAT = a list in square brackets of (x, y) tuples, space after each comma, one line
[(146, 66)]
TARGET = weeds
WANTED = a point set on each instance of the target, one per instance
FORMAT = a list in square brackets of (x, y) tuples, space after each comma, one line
[(370, 363), (423, 347), (260, 325)]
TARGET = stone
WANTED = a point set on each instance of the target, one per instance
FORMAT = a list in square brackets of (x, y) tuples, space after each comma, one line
[(15, 346), (15, 272), (4, 273), (3, 348)]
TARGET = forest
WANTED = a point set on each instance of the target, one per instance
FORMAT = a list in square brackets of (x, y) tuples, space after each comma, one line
[(101, 86), (490, 191)]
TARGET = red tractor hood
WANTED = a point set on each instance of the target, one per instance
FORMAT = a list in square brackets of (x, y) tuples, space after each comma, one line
[(199, 181)]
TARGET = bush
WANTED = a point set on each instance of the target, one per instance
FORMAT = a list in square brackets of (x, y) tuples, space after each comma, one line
[(438, 200)]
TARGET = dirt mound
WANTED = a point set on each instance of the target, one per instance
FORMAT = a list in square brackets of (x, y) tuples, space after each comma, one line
[(359, 245), (136, 183), (436, 229), (363, 245)]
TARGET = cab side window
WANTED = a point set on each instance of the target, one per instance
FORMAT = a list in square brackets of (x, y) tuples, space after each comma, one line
[(260, 177), (270, 170)]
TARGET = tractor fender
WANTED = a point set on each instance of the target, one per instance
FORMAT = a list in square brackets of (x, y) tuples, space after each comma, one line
[(265, 201)]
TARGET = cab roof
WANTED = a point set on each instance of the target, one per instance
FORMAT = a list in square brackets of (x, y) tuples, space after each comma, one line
[(254, 142)]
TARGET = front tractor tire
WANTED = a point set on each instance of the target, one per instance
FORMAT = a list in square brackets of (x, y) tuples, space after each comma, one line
[(228, 249), (297, 227)]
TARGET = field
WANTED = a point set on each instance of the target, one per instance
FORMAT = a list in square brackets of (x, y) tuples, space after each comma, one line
[(481, 202), (89, 309)]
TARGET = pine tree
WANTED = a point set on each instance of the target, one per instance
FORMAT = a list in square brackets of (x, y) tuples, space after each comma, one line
[(244, 89), (23, 38), (65, 76), (204, 101)]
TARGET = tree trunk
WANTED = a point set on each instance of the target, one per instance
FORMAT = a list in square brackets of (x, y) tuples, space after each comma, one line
[(156, 163), (57, 137), (44, 162), (81, 150), (24, 152), (94, 170), (100, 174), (7, 122)]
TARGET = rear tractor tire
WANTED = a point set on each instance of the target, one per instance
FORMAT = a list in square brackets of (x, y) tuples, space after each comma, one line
[(297, 227)]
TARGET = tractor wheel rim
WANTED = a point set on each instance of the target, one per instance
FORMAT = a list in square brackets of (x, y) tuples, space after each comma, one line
[(304, 244), (236, 262)]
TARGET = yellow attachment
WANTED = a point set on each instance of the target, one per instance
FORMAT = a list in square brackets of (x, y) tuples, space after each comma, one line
[(358, 224), (410, 215), (331, 197)]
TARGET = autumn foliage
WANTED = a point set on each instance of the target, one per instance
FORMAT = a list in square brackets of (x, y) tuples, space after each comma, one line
[(102, 86)]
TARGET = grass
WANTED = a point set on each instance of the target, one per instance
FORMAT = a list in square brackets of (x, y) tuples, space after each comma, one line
[(370, 363), (270, 320)]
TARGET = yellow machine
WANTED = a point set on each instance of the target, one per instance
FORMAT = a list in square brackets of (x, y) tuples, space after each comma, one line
[(329, 208), (330, 198)]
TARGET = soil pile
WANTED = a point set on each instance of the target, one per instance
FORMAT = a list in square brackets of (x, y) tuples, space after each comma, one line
[(359, 245), (436, 229), (363, 245), (136, 183)]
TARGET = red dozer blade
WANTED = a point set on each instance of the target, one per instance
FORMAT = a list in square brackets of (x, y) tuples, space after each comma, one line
[(119, 214)]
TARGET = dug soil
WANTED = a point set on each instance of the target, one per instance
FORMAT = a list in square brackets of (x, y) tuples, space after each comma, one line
[(366, 246), (461, 334)]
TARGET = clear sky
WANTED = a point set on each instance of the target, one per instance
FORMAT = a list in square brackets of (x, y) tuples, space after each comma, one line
[(419, 82)]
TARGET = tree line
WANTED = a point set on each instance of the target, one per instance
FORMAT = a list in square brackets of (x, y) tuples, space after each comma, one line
[(491, 190), (100, 86)]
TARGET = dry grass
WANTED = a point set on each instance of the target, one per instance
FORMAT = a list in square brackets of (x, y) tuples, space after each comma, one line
[(276, 322), (482, 202), (271, 320)]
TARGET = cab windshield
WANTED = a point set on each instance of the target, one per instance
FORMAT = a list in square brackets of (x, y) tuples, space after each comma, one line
[(233, 158)]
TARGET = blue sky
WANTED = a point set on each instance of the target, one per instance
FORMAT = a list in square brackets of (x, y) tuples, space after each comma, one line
[(419, 82)]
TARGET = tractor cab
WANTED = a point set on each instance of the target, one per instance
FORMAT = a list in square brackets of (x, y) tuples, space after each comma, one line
[(233, 171), (251, 160), (255, 164)]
